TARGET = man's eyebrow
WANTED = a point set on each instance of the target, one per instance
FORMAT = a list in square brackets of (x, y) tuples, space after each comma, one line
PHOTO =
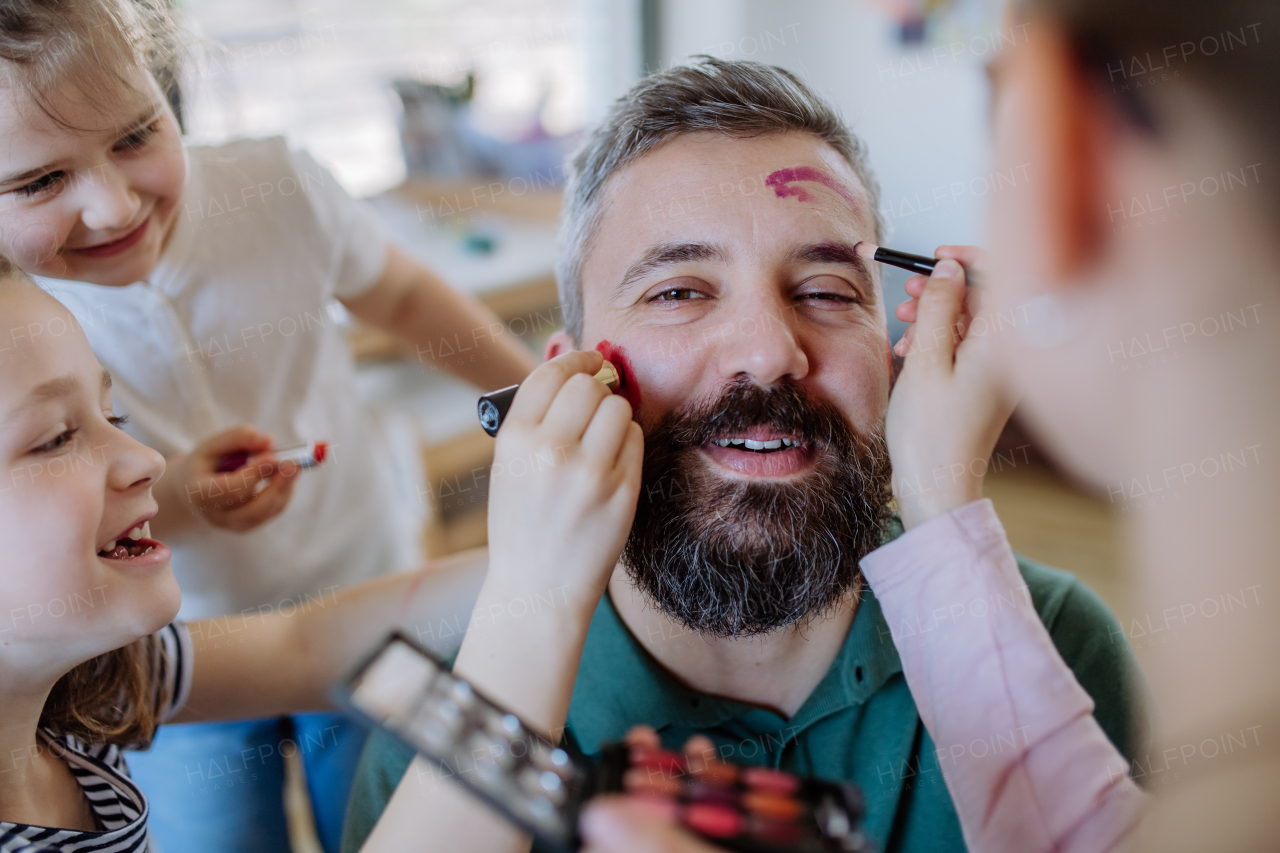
[(668, 254), (830, 252), (106, 380)]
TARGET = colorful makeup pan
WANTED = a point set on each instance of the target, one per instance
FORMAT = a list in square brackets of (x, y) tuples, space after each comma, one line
[(741, 808), (540, 787)]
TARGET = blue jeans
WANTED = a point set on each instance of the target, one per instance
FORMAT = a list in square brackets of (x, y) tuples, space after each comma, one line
[(219, 787)]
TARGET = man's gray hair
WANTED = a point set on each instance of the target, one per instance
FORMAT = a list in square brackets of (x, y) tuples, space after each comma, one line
[(739, 99)]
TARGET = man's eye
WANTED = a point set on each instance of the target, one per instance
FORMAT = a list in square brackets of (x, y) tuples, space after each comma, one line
[(676, 294), (62, 440), (828, 288), (40, 185), (138, 138)]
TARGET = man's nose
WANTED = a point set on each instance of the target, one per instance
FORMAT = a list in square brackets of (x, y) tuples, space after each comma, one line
[(759, 340), (108, 200)]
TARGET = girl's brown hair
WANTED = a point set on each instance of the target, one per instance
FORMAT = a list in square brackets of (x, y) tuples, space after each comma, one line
[(87, 47), (115, 697)]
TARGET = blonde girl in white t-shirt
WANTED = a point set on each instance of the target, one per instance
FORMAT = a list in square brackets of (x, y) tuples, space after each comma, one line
[(202, 277)]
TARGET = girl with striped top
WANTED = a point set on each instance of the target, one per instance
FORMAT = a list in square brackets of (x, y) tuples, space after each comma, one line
[(91, 659)]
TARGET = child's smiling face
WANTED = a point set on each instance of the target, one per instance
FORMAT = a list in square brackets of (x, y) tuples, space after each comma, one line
[(91, 205), (70, 482)]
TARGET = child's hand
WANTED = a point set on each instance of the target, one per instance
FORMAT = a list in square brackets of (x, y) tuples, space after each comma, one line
[(564, 483), (619, 824), (948, 406), (238, 500)]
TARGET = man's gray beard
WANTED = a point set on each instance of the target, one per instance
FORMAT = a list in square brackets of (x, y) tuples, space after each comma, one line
[(734, 558)]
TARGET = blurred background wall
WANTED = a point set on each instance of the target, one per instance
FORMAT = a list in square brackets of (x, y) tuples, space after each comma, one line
[(322, 73)]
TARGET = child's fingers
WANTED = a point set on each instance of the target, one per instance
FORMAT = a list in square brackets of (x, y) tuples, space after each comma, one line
[(573, 409), (914, 286), (906, 312), (702, 748), (940, 308), (539, 391), (642, 735), (268, 499), (631, 457), (242, 437), (615, 824), (605, 434), (969, 257), (903, 346)]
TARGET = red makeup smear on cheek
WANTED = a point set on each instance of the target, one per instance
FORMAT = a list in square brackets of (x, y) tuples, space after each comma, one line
[(630, 390), (782, 179)]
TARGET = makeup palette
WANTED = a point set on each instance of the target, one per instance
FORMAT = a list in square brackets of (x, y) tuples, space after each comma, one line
[(539, 786)]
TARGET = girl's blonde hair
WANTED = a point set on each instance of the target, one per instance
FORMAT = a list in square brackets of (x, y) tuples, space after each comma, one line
[(87, 47), (115, 697)]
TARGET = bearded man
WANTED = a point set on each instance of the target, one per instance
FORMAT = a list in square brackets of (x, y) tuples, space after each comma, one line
[(708, 248)]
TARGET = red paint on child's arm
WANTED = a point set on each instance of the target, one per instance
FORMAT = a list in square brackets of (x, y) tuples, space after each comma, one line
[(782, 179), (630, 390)]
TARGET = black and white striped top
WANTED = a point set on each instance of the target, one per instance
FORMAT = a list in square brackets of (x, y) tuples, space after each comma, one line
[(119, 807)]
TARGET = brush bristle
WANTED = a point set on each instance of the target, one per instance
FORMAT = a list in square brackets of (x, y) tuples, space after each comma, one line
[(866, 251)]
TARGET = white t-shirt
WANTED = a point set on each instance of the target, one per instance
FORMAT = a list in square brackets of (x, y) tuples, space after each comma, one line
[(234, 327)]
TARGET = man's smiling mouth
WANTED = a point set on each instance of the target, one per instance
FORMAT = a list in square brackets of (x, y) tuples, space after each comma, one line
[(760, 451), (758, 446)]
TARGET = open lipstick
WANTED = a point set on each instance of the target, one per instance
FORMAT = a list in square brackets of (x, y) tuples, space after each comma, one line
[(493, 407), (305, 456)]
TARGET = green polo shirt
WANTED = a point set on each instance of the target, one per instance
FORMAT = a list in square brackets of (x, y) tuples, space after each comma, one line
[(859, 724)]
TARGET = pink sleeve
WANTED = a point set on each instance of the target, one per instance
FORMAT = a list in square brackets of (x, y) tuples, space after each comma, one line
[(982, 668)]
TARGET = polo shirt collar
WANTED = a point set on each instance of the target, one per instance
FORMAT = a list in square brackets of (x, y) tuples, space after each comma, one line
[(620, 684)]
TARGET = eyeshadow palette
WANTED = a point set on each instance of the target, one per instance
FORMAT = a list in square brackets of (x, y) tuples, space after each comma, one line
[(411, 693)]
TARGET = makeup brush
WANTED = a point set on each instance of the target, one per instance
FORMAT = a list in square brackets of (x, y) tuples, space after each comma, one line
[(904, 260)]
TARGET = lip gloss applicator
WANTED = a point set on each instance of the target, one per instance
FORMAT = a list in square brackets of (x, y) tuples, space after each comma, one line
[(305, 456), (492, 407)]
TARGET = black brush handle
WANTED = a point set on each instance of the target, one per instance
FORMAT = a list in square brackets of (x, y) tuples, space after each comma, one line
[(493, 407), (907, 261)]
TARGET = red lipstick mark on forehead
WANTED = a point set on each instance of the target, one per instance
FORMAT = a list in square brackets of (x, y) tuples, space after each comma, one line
[(782, 179), (630, 390)]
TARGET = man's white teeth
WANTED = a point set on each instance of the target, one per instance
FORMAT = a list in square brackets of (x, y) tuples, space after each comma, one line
[(110, 546), (753, 444), (136, 533), (146, 530)]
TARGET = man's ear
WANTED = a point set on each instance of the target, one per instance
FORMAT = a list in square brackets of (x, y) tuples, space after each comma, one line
[(1072, 125), (558, 344)]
